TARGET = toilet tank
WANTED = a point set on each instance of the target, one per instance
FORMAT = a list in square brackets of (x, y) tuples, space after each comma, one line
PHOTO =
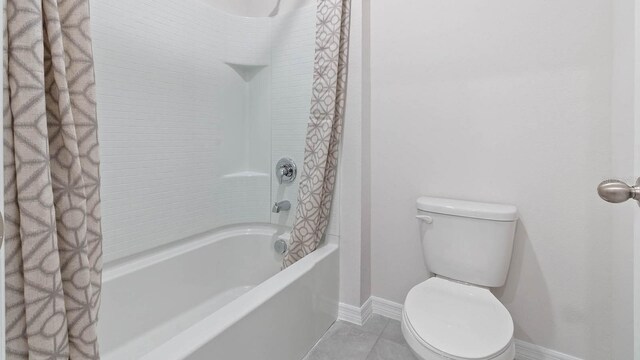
[(466, 240)]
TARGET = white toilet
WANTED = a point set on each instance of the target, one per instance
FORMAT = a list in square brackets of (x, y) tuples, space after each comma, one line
[(467, 245)]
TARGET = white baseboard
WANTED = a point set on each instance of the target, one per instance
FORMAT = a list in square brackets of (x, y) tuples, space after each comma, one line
[(527, 351), (386, 308), (355, 315), (393, 310)]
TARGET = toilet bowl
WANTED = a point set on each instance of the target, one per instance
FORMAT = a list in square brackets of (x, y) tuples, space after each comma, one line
[(453, 315)]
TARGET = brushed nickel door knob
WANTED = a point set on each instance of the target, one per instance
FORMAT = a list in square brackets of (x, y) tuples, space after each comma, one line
[(616, 191)]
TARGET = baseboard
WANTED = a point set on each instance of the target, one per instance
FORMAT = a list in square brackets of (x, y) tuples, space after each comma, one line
[(373, 305), (393, 310), (527, 351), (349, 313), (367, 310), (355, 315), (386, 308)]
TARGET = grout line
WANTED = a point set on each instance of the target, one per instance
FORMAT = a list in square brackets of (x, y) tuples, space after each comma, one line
[(361, 328), (374, 346), (377, 338)]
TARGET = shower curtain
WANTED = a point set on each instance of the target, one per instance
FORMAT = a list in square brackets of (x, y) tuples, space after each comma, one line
[(51, 182), (324, 130)]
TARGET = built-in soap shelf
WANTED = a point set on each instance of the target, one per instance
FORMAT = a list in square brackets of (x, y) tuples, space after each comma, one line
[(246, 174), (248, 140), (247, 72)]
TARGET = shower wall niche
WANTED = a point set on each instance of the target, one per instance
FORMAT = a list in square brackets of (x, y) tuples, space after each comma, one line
[(247, 137), (196, 106)]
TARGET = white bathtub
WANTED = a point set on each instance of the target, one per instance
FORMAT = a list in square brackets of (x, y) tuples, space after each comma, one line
[(218, 296)]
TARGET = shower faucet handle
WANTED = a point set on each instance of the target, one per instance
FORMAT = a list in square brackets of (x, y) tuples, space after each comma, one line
[(286, 170)]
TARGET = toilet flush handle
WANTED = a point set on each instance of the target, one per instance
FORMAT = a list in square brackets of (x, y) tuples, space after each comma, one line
[(426, 218)]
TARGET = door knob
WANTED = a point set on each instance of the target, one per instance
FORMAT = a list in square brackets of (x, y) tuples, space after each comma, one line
[(616, 191)]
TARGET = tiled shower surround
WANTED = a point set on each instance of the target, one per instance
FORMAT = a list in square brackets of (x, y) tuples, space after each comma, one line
[(187, 96)]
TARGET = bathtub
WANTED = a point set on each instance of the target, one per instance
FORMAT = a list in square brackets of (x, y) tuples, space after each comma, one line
[(218, 296)]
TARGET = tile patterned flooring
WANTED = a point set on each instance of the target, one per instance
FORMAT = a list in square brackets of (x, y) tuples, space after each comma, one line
[(378, 339)]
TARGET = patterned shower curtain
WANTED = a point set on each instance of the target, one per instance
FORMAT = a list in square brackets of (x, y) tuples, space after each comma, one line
[(51, 182), (324, 130)]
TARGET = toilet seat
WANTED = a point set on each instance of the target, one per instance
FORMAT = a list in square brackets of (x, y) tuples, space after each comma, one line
[(451, 320)]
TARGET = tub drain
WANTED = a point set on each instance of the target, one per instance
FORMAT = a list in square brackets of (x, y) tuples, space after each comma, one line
[(280, 246)]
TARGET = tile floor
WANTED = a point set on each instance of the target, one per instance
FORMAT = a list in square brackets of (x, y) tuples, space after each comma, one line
[(378, 339)]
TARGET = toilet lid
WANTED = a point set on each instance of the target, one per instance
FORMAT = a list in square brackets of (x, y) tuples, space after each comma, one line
[(459, 320)]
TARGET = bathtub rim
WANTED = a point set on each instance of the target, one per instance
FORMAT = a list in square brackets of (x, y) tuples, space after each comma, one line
[(115, 269)]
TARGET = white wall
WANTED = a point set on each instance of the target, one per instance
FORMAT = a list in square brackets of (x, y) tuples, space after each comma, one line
[(508, 102), (623, 136), (293, 44), (350, 172), (252, 8), (258, 8), (353, 174), (186, 139)]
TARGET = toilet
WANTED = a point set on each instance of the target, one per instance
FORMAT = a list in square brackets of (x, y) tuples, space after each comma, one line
[(467, 246)]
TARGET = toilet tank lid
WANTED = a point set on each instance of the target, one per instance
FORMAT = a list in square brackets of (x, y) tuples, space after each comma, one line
[(470, 209)]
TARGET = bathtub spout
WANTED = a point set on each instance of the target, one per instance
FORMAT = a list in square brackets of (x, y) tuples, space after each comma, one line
[(283, 205)]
